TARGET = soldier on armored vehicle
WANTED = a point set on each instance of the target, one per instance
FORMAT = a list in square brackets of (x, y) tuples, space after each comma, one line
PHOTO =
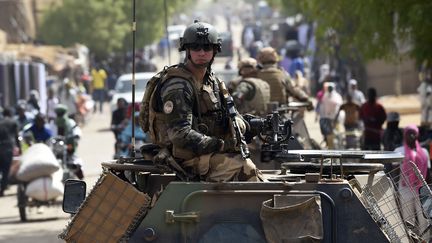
[(286, 96), (189, 113)]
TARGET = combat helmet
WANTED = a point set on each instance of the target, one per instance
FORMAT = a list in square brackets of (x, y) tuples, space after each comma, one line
[(200, 33), (248, 62), (267, 55)]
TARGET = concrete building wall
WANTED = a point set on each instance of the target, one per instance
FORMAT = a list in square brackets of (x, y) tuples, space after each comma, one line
[(19, 19), (16, 20), (382, 76)]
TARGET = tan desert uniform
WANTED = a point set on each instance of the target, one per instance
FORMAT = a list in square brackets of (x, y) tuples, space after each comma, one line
[(281, 84), (275, 78), (257, 95)]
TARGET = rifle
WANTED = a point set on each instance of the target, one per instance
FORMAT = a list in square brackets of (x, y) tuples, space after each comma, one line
[(240, 140)]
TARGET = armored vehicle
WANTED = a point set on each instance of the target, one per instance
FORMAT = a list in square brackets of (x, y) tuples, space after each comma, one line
[(316, 196)]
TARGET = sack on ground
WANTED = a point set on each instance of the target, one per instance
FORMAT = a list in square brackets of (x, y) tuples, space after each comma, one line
[(37, 161), (45, 188)]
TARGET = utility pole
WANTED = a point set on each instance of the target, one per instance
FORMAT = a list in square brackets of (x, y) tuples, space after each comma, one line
[(166, 31)]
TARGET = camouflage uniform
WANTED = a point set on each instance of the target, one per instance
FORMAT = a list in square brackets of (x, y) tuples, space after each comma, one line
[(188, 117), (197, 136)]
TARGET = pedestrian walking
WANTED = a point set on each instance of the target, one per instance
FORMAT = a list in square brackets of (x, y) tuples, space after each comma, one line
[(329, 107), (356, 94), (425, 95), (186, 114), (8, 141), (373, 116), (99, 77), (352, 122), (409, 182), (52, 102)]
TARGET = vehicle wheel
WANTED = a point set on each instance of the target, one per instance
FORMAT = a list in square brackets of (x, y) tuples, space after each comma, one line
[(22, 202)]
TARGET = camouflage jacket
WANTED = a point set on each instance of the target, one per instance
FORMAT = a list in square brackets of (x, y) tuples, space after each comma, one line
[(194, 115)]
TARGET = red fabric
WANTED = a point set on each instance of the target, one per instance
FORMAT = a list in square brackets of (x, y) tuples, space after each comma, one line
[(129, 109), (373, 116), (419, 159)]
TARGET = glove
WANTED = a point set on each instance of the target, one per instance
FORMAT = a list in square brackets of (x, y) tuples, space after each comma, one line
[(241, 124), (161, 157)]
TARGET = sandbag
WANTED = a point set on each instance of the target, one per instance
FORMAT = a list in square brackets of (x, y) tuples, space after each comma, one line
[(45, 188), (37, 161)]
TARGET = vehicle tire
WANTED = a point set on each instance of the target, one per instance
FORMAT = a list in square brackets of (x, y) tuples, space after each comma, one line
[(22, 202)]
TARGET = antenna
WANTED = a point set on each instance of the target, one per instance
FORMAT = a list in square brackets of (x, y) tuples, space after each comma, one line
[(133, 79), (167, 33)]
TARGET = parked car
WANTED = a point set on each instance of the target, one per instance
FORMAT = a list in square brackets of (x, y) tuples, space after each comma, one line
[(123, 88)]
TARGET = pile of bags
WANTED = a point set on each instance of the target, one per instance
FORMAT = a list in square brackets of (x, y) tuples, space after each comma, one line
[(42, 172)]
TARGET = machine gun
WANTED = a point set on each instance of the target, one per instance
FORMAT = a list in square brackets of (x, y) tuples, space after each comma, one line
[(273, 131)]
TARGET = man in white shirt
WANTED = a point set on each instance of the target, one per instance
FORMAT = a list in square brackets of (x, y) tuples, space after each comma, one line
[(356, 95), (329, 108), (425, 95), (52, 102)]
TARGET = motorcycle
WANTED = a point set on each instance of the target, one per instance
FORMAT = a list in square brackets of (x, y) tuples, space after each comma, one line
[(69, 162)]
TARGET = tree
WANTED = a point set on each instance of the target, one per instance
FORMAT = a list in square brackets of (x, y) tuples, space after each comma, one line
[(150, 18), (372, 27), (101, 25), (105, 25)]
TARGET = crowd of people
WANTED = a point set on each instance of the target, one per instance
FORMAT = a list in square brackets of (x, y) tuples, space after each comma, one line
[(187, 117), (184, 114), (69, 101)]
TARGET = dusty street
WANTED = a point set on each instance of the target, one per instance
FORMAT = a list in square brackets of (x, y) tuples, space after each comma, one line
[(96, 146)]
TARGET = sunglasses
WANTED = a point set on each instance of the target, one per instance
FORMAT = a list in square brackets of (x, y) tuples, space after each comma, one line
[(198, 47)]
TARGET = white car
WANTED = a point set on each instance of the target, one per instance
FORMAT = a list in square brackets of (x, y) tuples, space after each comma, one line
[(123, 88)]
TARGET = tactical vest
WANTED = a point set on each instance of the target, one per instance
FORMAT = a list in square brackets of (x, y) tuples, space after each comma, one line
[(157, 124), (208, 119), (260, 99), (276, 79)]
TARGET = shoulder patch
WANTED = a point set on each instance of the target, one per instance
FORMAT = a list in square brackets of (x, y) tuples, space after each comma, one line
[(168, 107)]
